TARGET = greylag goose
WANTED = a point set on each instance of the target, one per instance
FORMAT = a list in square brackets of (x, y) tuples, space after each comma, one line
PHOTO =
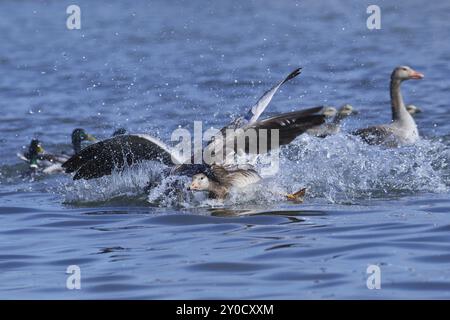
[(102, 158), (218, 181), (333, 127), (402, 130)]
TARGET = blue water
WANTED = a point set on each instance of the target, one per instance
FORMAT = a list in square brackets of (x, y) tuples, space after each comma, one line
[(152, 66)]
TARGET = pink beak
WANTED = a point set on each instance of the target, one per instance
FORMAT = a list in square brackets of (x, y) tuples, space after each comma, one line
[(193, 186), (416, 75)]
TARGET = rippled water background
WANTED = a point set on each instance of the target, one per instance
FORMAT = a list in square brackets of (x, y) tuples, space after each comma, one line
[(151, 66)]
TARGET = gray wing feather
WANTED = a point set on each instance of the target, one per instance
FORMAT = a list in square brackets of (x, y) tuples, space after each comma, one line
[(256, 110)]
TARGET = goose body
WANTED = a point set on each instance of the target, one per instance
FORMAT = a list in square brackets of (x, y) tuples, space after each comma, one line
[(220, 180), (403, 129)]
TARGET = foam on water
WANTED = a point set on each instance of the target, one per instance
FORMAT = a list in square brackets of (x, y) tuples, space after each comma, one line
[(342, 168), (338, 169)]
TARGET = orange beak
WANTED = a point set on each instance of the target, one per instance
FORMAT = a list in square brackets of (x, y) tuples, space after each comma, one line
[(416, 75), (193, 186)]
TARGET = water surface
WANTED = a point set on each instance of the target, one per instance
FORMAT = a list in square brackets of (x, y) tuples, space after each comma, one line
[(152, 66)]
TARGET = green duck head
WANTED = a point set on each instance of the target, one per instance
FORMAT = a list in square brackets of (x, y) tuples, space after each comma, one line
[(79, 135), (34, 150)]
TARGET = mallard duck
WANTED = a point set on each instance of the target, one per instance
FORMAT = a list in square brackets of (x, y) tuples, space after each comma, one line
[(51, 163), (402, 130), (34, 155), (78, 136), (103, 157), (218, 181)]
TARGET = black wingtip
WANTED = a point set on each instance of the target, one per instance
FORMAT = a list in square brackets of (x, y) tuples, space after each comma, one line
[(293, 74)]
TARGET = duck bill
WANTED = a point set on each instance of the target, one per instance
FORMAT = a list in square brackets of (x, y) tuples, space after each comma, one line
[(90, 137), (39, 149), (417, 75)]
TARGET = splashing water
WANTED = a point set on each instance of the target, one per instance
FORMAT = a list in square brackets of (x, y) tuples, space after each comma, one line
[(339, 169), (342, 168), (129, 183)]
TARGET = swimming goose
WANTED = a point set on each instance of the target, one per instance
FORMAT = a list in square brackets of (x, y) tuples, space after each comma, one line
[(402, 130), (333, 127), (102, 158), (218, 181)]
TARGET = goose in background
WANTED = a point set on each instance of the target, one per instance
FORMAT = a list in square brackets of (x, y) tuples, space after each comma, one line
[(103, 157), (402, 130), (334, 126)]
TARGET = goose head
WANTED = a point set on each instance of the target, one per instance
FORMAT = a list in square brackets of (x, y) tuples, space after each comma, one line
[(199, 182), (406, 73), (346, 110), (412, 109), (329, 112)]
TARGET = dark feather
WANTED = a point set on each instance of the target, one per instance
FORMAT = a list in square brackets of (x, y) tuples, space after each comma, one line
[(374, 135), (103, 157)]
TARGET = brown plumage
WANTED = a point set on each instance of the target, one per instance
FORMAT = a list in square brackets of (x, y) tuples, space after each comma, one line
[(219, 180)]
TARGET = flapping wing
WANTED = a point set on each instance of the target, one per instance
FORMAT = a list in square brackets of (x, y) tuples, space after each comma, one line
[(101, 158), (255, 111), (257, 138), (292, 124)]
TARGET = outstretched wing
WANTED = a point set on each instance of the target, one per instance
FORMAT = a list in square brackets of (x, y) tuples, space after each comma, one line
[(255, 111), (101, 158), (289, 126)]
